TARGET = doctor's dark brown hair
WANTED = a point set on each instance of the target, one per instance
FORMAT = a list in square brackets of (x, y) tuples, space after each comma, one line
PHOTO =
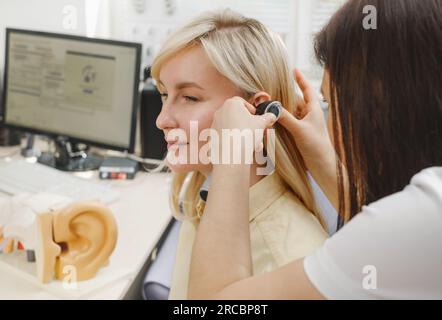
[(386, 94)]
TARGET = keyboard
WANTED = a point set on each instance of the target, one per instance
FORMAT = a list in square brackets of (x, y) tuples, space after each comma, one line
[(23, 177)]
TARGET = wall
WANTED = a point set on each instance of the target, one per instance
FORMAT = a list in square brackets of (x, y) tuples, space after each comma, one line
[(150, 21), (44, 15)]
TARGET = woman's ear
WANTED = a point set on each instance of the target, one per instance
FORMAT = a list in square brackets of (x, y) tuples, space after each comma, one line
[(259, 98)]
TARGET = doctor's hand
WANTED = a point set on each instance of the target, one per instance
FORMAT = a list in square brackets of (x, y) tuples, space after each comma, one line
[(237, 113), (309, 131)]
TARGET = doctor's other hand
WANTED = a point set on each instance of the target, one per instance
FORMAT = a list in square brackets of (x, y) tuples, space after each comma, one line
[(309, 128)]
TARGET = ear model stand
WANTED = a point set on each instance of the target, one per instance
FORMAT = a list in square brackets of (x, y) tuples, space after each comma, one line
[(274, 107)]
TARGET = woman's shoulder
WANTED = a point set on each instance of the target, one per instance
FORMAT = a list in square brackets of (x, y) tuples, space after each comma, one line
[(271, 196), (289, 206), (289, 230), (287, 223)]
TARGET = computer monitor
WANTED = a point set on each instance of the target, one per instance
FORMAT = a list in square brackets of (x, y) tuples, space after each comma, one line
[(74, 89)]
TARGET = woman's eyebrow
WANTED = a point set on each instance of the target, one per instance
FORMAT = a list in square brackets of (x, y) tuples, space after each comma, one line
[(183, 85)]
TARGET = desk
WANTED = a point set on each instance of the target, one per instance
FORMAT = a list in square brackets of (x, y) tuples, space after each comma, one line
[(142, 214)]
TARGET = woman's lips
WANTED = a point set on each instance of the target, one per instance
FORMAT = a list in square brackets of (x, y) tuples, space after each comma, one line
[(175, 145)]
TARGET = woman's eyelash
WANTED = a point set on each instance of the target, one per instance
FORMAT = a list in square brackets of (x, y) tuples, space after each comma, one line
[(190, 98), (187, 98)]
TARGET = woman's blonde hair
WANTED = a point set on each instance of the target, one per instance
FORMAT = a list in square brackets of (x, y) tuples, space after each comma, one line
[(254, 59)]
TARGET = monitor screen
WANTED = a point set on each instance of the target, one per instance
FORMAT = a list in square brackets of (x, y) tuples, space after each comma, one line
[(82, 88)]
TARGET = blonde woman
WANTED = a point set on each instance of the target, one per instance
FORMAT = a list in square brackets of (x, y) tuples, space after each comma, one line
[(215, 57)]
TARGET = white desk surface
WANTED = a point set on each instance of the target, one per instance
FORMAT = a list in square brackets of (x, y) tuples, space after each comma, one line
[(142, 214)]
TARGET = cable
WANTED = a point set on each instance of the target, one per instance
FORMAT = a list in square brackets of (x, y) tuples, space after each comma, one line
[(161, 164)]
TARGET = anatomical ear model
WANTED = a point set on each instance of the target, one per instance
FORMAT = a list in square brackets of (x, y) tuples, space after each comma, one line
[(64, 235)]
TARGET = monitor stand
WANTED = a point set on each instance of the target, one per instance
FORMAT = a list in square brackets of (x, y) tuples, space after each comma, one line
[(68, 158)]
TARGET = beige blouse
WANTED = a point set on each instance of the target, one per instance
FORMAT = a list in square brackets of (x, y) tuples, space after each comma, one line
[(281, 230)]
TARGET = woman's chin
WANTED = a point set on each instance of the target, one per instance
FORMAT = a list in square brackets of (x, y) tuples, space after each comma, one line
[(183, 168)]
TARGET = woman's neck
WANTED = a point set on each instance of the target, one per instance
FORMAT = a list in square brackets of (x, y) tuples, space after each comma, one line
[(254, 177)]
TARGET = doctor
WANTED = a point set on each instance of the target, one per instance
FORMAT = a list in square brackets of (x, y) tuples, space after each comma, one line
[(378, 159)]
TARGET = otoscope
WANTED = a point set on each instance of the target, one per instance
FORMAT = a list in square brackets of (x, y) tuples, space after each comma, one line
[(274, 107)]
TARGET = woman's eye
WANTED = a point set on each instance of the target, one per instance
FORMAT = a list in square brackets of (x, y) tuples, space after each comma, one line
[(191, 99), (163, 96)]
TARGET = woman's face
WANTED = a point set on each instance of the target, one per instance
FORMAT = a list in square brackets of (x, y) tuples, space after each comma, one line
[(192, 90)]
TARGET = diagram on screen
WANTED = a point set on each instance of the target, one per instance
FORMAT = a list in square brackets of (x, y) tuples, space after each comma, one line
[(89, 74), (89, 80)]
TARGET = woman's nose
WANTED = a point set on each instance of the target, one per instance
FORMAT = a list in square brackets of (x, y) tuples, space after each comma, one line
[(166, 119)]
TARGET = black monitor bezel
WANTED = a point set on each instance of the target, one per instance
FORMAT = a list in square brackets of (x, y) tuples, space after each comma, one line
[(73, 139)]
